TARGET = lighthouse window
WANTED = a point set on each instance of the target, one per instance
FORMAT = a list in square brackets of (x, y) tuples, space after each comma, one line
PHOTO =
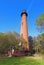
[(22, 23)]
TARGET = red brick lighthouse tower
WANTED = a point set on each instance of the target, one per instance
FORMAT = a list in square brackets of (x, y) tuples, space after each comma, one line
[(24, 28)]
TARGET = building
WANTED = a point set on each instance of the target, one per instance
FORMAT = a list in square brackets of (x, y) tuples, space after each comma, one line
[(24, 28)]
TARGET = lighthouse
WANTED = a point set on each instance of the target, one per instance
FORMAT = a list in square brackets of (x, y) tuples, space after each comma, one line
[(24, 28)]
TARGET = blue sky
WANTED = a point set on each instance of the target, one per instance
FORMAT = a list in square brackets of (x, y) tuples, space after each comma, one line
[(10, 10)]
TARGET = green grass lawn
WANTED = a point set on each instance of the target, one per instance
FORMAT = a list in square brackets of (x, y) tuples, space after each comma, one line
[(20, 61)]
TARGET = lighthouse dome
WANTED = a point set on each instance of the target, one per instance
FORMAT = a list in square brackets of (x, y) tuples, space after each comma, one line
[(24, 12)]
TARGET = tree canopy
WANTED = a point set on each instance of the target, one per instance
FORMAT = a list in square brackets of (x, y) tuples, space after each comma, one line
[(40, 22)]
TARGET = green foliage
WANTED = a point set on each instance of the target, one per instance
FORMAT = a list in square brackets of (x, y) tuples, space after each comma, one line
[(39, 43), (11, 40), (7, 41), (22, 44), (40, 22), (39, 40)]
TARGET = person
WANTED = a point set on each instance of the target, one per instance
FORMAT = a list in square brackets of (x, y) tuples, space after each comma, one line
[(12, 51)]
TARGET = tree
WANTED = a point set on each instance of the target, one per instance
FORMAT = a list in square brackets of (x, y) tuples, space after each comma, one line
[(22, 43), (30, 38), (40, 38), (39, 43), (42, 42), (40, 23), (7, 41)]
